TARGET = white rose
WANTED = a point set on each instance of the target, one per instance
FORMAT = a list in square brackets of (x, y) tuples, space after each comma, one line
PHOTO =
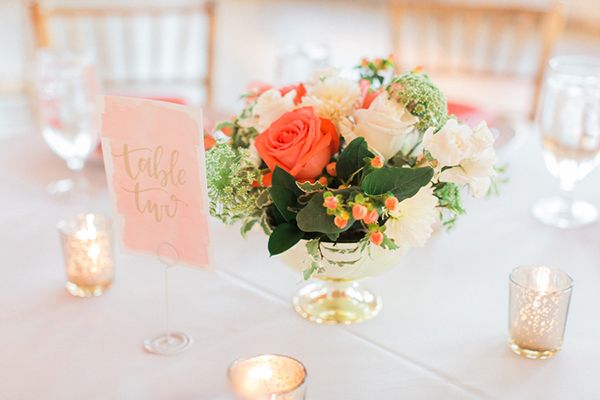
[(450, 144), (332, 98), (269, 107), (387, 126), (411, 223)]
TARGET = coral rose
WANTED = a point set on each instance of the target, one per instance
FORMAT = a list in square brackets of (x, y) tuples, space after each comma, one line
[(299, 142)]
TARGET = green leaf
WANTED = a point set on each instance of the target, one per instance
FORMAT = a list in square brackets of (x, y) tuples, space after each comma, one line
[(389, 244), (283, 199), (281, 178), (308, 187), (333, 236), (305, 198), (314, 218), (308, 272), (247, 226), (263, 199), (313, 248), (283, 238), (264, 223), (352, 158), (401, 182), (274, 217)]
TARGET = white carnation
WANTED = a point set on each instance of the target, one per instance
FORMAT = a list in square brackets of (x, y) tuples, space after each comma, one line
[(411, 223), (469, 152), (475, 172), (450, 144)]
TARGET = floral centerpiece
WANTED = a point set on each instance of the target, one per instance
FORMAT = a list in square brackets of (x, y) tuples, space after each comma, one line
[(347, 175)]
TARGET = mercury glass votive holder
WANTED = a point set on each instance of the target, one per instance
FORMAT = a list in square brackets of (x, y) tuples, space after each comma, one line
[(87, 248), (268, 377), (538, 308)]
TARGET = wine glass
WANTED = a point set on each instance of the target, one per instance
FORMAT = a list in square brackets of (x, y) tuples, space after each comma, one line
[(67, 88), (569, 121)]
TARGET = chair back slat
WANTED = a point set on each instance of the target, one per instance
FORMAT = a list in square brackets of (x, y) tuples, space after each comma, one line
[(138, 46), (482, 39)]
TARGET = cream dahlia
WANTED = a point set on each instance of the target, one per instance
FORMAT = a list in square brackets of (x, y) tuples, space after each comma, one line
[(332, 98), (411, 222)]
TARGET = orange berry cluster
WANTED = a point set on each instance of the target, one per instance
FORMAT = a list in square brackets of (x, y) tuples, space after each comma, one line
[(331, 171), (377, 162), (334, 205), (331, 168), (362, 209)]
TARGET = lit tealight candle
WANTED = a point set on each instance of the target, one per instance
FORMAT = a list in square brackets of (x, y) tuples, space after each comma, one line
[(269, 376), (539, 304), (87, 248)]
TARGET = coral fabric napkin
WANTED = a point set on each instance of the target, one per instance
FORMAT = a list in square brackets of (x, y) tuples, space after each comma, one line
[(154, 158), (469, 114)]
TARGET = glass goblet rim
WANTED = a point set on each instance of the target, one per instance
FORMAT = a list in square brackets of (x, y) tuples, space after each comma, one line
[(295, 387), (70, 225), (517, 281)]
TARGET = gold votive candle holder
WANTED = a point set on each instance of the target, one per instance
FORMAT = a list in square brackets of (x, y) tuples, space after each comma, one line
[(268, 377), (87, 248), (538, 309)]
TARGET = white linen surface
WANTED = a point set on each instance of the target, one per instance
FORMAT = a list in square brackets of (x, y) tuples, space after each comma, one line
[(441, 334)]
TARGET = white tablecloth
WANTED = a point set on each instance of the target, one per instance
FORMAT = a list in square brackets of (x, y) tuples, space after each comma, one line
[(441, 333)]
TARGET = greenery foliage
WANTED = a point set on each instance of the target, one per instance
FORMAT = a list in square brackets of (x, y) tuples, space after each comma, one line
[(229, 175), (376, 71), (356, 193), (416, 92), (449, 200)]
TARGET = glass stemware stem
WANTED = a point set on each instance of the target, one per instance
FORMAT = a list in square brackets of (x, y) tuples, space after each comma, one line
[(67, 88), (571, 137)]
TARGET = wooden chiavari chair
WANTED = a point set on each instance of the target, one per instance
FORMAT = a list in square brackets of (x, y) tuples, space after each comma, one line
[(148, 50), (476, 40)]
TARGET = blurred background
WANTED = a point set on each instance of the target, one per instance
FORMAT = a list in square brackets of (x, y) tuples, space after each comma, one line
[(490, 54)]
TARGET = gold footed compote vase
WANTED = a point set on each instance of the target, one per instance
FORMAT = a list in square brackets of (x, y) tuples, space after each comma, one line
[(335, 295)]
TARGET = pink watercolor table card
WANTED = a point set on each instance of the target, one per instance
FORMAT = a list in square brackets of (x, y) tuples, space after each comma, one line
[(154, 161)]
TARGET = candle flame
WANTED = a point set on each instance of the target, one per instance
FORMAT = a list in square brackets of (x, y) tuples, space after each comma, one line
[(543, 279), (262, 372), (88, 231), (94, 252)]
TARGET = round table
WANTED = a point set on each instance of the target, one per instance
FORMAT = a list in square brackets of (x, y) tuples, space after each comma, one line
[(441, 334)]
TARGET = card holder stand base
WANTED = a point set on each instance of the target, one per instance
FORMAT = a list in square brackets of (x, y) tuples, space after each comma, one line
[(168, 344)]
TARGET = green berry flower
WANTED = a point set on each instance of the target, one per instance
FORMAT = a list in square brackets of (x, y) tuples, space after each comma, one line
[(421, 97)]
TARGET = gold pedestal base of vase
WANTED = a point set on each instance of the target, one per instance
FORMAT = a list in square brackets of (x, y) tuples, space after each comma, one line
[(336, 302), (532, 353)]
